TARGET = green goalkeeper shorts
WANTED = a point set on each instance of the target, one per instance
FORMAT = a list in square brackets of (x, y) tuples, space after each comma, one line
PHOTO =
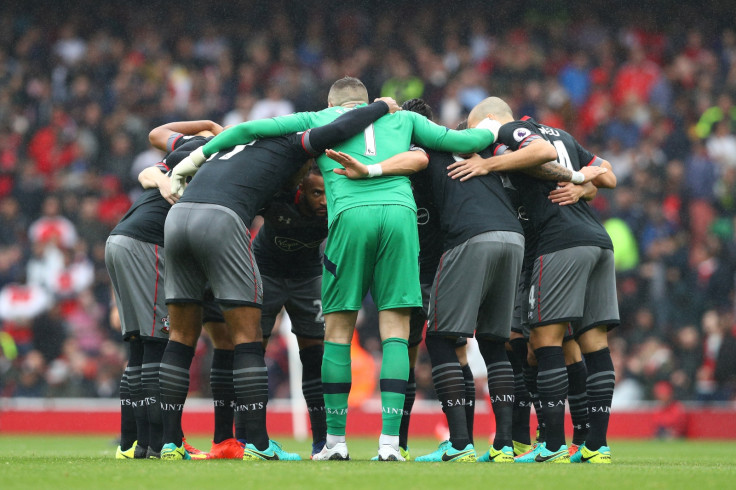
[(376, 248)]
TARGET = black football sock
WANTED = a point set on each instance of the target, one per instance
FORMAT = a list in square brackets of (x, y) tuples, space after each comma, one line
[(469, 399), (250, 377), (174, 380), (522, 402), (223, 393), (530, 380), (241, 431), (577, 398), (411, 394), (450, 387), (136, 391), (311, 358), (128, 431), (552, 385), (500, 389), (601, 379), (153, 352)]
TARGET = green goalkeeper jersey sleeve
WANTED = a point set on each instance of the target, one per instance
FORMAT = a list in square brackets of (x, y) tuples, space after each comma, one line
[(248, 131)]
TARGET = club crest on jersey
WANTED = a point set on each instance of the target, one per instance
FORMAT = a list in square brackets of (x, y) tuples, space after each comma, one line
[(285, 220), (422, 216), (165, 324), (521, 133)]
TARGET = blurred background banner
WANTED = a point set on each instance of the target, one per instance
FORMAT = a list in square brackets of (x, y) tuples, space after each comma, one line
[(650, 89)]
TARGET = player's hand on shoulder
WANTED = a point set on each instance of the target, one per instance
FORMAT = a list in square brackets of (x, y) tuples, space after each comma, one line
[(391, 103), (467, 169), (591, 173), (166, 191), (352, 168)]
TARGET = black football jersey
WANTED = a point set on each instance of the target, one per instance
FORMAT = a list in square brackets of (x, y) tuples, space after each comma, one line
[(244, 178), (469, 208), (288, 243), (145, 219), (556, 227)]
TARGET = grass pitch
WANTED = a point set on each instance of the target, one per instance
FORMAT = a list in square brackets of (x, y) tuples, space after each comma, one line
[(88, 462)]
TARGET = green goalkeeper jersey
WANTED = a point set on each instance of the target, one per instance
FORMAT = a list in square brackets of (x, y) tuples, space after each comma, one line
[(390, 135)]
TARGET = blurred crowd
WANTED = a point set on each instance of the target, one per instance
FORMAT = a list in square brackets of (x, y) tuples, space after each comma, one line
[(82, 84)]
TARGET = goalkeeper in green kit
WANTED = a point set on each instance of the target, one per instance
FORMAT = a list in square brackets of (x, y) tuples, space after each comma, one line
[(372, 243)]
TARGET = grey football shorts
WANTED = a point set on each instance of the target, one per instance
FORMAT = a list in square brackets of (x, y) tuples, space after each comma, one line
[(475, 287), (575, 285), (136, 271), (208, 242), (302, 298)]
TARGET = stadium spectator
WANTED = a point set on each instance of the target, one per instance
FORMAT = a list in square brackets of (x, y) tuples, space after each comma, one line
[(71, 91), (670, 420)]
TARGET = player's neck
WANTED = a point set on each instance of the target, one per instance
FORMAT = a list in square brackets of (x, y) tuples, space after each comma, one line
[(352, 103)]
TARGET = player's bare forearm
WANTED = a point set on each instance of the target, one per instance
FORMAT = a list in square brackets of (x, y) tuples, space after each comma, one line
[(550, 171), (406, 163), (606, 180), (160, 135), (535, 153)]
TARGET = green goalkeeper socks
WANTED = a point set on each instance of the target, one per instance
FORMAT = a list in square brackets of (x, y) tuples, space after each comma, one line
[(394, 373), (336, 381)]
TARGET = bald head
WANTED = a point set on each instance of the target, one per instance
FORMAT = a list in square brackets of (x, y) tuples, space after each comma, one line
[(492, 107), (347, 91)]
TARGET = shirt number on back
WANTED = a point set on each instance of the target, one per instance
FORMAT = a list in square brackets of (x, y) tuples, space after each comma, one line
[(562, 155), (370, 141), (236, 149)]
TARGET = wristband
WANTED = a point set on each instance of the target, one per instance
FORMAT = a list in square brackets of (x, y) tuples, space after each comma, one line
[(374, 170), (577, 177), (491, 125)]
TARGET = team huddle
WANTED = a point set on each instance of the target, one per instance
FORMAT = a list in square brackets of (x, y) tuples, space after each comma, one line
[(481, 232)]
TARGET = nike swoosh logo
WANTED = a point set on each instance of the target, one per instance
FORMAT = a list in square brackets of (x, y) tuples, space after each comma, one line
[(264, 456), (583, 459), (542, 459), (447, 457)]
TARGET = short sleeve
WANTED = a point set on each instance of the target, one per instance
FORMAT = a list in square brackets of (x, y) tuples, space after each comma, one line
[(517, 134)]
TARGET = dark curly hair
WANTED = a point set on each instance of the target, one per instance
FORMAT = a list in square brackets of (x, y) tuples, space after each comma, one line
[(419, 106)]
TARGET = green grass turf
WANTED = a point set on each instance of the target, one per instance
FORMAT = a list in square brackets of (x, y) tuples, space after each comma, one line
[(88, 462)]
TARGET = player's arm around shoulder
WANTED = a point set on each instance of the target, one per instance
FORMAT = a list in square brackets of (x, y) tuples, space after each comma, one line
[(436, 137), (249, 131), (159, 136), (529, 150)]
